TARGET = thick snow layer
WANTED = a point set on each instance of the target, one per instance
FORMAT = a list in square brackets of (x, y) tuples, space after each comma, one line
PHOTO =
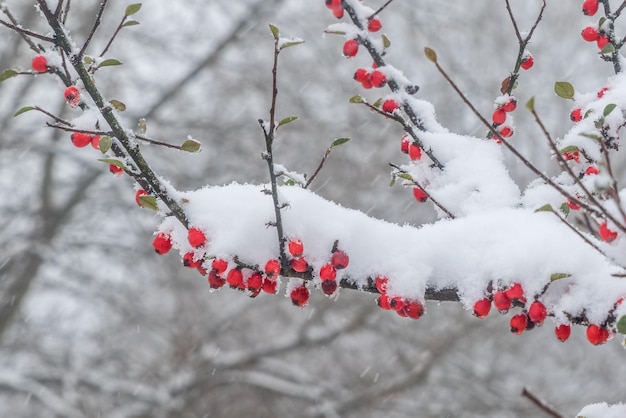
[(603, 410)]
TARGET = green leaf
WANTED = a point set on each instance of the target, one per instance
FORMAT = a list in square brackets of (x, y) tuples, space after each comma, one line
[(117, 105), (6, 74), (386, 41), (109, 62), (131, 9), (148, 202), (601, 22), (591, 136), (599, 123), (275, 31), (564, 89), (405, 176), (393, 181), (356, 99), (569, 148), (587, 113), (377, 103), (608, 48), (290, 43), (608, 109), (286, 121), (113, 161), (621, 325), (530, 104), (24, 110), (545, 208), (130, 23), (105, 144), (339, 141), (565, 209), (191, 145), (559, 276), (88, 60), (430, 54)]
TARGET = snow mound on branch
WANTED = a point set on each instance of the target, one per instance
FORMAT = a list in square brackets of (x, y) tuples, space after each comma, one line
[(603, 410)]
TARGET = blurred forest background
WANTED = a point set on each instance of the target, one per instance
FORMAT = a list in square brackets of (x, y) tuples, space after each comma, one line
[(93, 323)]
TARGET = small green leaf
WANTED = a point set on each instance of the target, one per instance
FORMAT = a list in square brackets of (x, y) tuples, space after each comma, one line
[(601, 22), (545, 208), (599, 123), (148, 202), (621, 325), (275, 31), (6, 74), (393, 181), (109, 62), (24, 110), (569, 148), (130, 23), (608, 109), (405, 176), (377, 103), (286, 121), (431, 55), (113, 161), (105, 144), (565, 209), (591, 136), (88, 60), (558, 276), (587, 113), (386, 41), (339, 141), (191, 145), (608, 48), (131, 9), (290, 43), (564, 89), (117, 105), (530, 104), (356, 99)]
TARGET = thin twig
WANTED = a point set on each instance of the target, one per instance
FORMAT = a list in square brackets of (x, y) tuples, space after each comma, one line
[(619, 10), (318, 169), (117, 30), (577, 232), (541, 404), (24, 33), (380, 9), (103, 5)]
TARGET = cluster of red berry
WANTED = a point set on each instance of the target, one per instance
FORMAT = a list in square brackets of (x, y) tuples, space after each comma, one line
[(499, 117), (404, 307)]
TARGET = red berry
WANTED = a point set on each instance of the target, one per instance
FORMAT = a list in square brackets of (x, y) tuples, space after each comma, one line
[(515, 291), (518, 323), (419, 194), (361, 75), (602, 41), (72, 96), (80, 139), (219, 265), (602, 91), (572, 205), (190, 261), (196, 237), (597, 335), (389, 106), (234, 278), (378, 79), (255, 282), (162, 243), (115, 169), (591, 170), (576, 115), (95, 142), (575, 155), (333, 4), (590, 7), (381, 284), (350, 48), (215, 280), (499, 116), (501, 301), (482, 308), (270, 286), (415, 152), (374, 25), (563, 331), (328, 272), (272, 269), (404, 144), (329, 287), (506, 132), (340, 260), (296, 248), (40, 64), (300, 296), (396, 303), (384, 302), (537, 312), (413, 309), (510, 105), (605, 233), (140, 192), (299, 265), (338, 12), (527, 62), (366, 84), (590, 34), (202, 270)]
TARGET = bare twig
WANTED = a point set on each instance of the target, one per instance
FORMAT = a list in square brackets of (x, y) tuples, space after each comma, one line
[(380, 9), (103, 5), (541, 404)]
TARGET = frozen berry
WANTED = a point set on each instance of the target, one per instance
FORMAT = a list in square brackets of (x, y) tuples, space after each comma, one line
[(350, 48), (272, 269), (590, 7), (404, 144), (597, 335), (602, 91), (396, 303), (515, 291), (329, 287), (413, 309), (338, 12), (590, 34), (215, 280), (300, 296), (115, 169), (576, 115), (384, 302), (415, 152), (591, 170), (72, 96), (501, 301), (219, 265), (602, 41), (162, 243), (190, 261), (374, 24), (270, 286), (606, 234), (381, 284), (574, 155), (518, 323), (138, 194), (389, 106), (537, 312), (40, 64), (563, 331), (333, 4), (299, 265), (295, 247), (482, 308), (510, 105), (499, 116), (527, 62), (196, 237), (95, 142), (255, 282), (361, 75), (419, 194), (234, 278), (506, 132), (572, 205), (339, 260), (328, 272), (378, 79), (80, 139)]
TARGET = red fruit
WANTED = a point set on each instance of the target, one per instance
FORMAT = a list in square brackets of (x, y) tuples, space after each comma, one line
[(202, 270), (338, 12), (537, 312), (190, 261), (296, 248), (234, 278), (572, 205), (415, 152), (366, 84), (499, 116), (374, 25), (272, 269), (361, 75), (563, 331), (300, 296), (515, 291), (162, 243), (299, 265), (602, 91), (333, 4), (350, 48), (339, 260), (80, 139), (196, 237), (72, 96), (482, 308), (602, 41), (591, 170), (590, 34), (219, 265), (140, 192), (328, 272), (378, 79), (510, 106), (590, 7), (384, 302), (381, 284), (506, 132), (606, 234), (329, 287), (572, 156), (597, 335), (419, 194), (501, 301), (40, 64), (413, 309), (255, 282), (396, 303), (270, 286), (95, 142), (389, 106), (576, 115), (115, 169), (518, 323), (215, 280), (404, 144), (527, 62)]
